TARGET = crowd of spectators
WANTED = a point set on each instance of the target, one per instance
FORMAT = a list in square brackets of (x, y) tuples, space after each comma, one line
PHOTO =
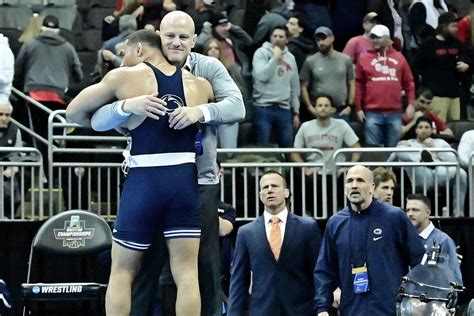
[(282, 55), (302, 92)]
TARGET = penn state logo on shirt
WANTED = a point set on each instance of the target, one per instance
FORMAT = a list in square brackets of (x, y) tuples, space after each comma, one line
[(172, 102)]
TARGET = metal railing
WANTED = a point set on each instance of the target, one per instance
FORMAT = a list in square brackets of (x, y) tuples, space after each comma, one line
[(404, 167), (83, 182), (21, 184), (247, 174), (87, 183), (471, 185)]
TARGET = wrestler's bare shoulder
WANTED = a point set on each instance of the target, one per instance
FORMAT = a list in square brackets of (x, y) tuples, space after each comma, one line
[(127, 73), (198, 86)]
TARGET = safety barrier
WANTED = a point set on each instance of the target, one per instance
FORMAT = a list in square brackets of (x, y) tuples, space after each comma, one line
[(91, 178), (21, 184), (471, 185), (87, 178)]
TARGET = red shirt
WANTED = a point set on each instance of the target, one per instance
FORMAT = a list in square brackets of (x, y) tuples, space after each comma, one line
[(47, 96), (357, 46), (380, 79), (438, 121), (464, 30)]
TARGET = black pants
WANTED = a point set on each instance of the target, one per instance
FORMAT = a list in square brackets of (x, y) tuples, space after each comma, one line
[(146, 283)]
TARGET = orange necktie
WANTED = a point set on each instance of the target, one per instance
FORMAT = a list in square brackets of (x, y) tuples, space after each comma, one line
[(275, 237)]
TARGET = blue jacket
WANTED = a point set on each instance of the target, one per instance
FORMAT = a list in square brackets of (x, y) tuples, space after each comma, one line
[(286, 284), (380, 236)]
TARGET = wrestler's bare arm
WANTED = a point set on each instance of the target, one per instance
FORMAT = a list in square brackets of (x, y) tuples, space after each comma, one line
[(117, 84)]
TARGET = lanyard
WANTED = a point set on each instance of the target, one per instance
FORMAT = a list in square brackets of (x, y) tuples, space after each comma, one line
[(358, 258)]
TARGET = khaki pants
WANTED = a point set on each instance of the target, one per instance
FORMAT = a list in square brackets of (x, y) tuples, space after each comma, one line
[(444, 106)]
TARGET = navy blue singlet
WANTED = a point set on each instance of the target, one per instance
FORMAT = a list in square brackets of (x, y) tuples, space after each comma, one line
[(161, 189)]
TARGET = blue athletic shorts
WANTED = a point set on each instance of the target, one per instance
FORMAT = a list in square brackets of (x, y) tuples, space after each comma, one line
[(152, 197)]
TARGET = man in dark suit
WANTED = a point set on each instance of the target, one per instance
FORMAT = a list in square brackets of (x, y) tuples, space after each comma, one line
[(280, 249)]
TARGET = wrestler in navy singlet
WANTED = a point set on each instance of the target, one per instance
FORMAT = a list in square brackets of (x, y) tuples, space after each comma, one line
[(161, 185)]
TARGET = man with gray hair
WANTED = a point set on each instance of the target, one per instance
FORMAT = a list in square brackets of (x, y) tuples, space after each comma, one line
[(359, 243), (10, 136)]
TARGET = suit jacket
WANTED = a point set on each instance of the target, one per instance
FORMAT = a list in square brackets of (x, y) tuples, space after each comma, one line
[(283, 287)]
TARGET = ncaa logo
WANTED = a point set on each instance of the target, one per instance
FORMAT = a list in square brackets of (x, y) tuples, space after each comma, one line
[(35, 289), (172, 102), (378, 231)]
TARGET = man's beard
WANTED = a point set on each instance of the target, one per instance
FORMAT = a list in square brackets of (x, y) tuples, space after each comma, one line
[(324, 49)]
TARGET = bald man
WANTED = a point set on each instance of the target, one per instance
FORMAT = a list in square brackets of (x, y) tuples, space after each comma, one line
[(178, 38), (175, 206), (367, 248), (10, 136)]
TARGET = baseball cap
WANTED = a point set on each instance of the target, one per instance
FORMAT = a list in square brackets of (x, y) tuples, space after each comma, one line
[(51, 22), (370, 17), (323, 30), (218, 18), (380, 30), (447, 17)]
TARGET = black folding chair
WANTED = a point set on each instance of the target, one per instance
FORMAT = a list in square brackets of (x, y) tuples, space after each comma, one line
[(71, 234)]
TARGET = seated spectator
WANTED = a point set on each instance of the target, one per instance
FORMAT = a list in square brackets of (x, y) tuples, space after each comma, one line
[(232, 37), (328, 135), (418, 209), (6, 68), (385, 181), (379, 85), (466, 148), (127, 25), (144, 11), (422, 105), (360, 44), (276, 90), (10, 136), (324, 133), (108, 55), (329, 72), (429, 177), (227, 133)]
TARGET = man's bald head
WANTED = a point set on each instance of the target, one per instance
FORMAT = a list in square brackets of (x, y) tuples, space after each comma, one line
[(177, 18), (177, 37), (362, 170), (359, 187), (6, 110)]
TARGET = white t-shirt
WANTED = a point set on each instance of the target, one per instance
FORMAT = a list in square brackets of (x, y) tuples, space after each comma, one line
[(327, 139)]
